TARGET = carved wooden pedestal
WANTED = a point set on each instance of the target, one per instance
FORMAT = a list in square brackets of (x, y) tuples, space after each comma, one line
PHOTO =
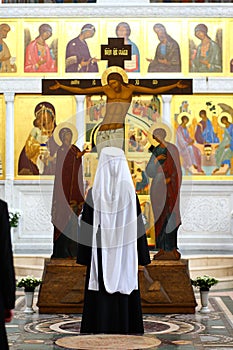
[(165, 287), (62, 289)]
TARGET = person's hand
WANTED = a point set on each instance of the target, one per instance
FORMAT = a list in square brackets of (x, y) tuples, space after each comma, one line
[(94, 60), (191, 142), (8, 315), (55, 86), (181, 85), (167, 180), (81, 153), (41, 61), (80, 207), (84, 63), (149, 59), (50, 158), (44, 153), (86, 148), (160, 157), (205, 62), (73, 205), (163, 61), (227, 146)]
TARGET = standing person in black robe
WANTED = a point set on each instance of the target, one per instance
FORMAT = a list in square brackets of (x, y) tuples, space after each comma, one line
[(112, 243), (7, 275)]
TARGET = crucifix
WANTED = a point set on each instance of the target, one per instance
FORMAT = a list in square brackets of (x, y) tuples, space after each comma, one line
[(116, 53), (116, 86)]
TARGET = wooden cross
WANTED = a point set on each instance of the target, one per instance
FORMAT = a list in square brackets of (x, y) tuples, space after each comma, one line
[(116, 53), (88, 83)]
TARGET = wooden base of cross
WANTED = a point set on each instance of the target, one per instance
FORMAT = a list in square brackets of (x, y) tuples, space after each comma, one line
[(164, 285)]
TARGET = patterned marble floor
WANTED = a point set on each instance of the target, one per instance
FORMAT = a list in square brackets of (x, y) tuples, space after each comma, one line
[(175, 331)]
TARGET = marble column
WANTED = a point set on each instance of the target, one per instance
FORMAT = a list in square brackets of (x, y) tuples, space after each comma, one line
[(167, 108), (80, 120), (9, 147)]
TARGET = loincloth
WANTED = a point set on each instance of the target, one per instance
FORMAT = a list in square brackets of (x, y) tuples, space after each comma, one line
[(110, 138)]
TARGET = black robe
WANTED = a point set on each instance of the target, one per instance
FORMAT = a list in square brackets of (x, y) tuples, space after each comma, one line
[(7, 273), (103, 312)]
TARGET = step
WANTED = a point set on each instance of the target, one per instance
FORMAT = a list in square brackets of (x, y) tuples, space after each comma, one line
[(29, 265), (209, 260), (218, 266), (28, 270), (31, 259), (225, 283), (212, 270)]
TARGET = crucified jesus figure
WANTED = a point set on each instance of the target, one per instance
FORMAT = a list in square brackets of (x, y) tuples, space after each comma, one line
[(119, 95)]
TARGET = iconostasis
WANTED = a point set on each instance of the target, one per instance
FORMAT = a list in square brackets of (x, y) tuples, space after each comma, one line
[(201, 124), (210, 137), (209, 151), (60, 40)]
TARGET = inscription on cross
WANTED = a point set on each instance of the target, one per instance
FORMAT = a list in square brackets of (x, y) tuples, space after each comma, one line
[(116, 52)]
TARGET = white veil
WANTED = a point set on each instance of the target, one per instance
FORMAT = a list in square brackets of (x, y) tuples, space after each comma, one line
[(115, 212)]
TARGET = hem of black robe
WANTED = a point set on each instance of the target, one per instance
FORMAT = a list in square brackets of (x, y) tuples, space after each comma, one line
[(111, 313)]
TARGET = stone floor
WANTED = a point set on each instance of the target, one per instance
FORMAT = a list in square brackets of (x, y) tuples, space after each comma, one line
[(210, 331)]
